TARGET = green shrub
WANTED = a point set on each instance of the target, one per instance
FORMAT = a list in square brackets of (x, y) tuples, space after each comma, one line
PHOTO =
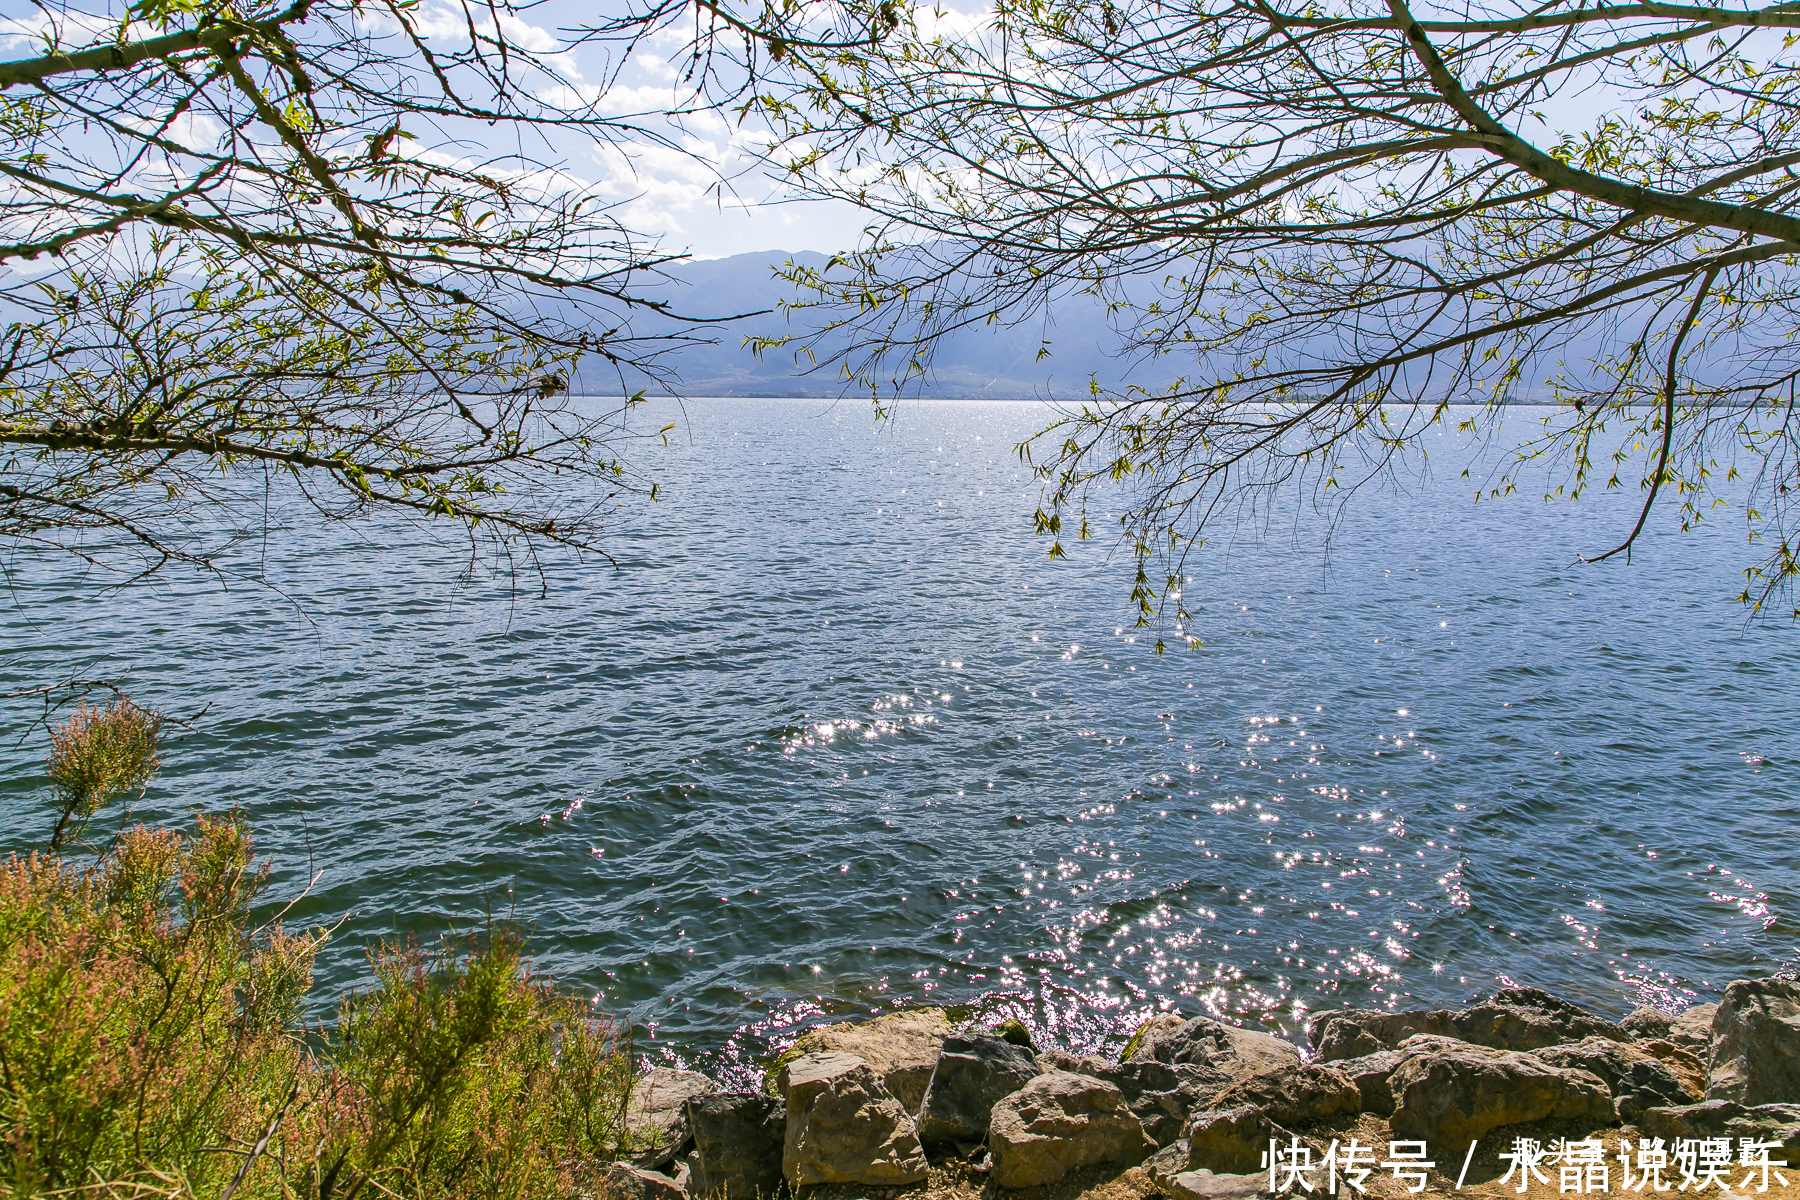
[(99, 753), (150, 1043), (467, 1078)]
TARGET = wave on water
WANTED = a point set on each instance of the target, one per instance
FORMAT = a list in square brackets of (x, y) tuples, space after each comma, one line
[(836, 737)]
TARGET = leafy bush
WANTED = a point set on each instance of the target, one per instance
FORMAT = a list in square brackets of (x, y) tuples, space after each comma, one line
[(99, 753), (150, 1043)]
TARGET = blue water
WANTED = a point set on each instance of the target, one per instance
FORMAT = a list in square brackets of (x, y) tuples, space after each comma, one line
[(835, 736)]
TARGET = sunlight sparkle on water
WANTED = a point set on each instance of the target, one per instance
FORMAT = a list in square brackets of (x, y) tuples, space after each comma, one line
[(1138, 823)]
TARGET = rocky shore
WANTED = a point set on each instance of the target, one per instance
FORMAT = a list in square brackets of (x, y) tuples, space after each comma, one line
[(907, 1104)]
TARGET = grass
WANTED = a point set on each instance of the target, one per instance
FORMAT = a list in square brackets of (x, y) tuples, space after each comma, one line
[(151, 1044)]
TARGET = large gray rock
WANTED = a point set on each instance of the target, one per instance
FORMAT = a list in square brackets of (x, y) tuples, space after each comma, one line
[(656, 1113), (973, 1073), (1756, 1043), (1168, 1169), (1692, 1029), (738, 1138), (1166, 1163), (1525, 1018), (844, 1126), (1685, 1065), (1370, 1074), (1009, 1030), (1205, 1185), (622, 1181), (1156, 1027), (1359, 1032), (1161, 1096), (1204, 1042), (1636, 1079), (1295, 1096), (1057, 1123), (1646, 1023), (1778, 1123), (1450, 1093), (1514, 1019), (1230, 1141), (901, 1048)]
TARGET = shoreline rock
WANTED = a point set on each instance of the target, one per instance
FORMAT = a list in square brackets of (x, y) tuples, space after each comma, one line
[(1204, 1042), (1208, 1185), (1647, 1024), (1685, 1065), (1298, 1096), (1370, 1074), (900, 1047), (844, 1126), (1449, 1092), (1232, 1141), (1058, 1122), (1162, 1097), (1211, 1095), (738, 1138), (1636, 1079), (1777, 1123), (1756, 1043), (973, 1073), (623, 1181), (1692, 1029), (1514, 1019), (656, 1113)]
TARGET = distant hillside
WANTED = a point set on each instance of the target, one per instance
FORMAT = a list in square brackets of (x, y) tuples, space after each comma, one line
[(991, 364), (1000, 364)]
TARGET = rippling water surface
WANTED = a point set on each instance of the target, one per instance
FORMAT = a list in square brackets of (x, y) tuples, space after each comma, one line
[(835, 737)]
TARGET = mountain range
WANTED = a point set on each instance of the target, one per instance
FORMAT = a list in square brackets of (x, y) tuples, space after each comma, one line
[(987, 363)]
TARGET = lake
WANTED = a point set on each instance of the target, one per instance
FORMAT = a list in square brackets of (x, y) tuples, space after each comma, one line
[(834, 736)]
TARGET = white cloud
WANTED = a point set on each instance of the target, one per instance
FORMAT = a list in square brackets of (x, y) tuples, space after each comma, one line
[(571, 95), (655, 66), (623, 100)]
